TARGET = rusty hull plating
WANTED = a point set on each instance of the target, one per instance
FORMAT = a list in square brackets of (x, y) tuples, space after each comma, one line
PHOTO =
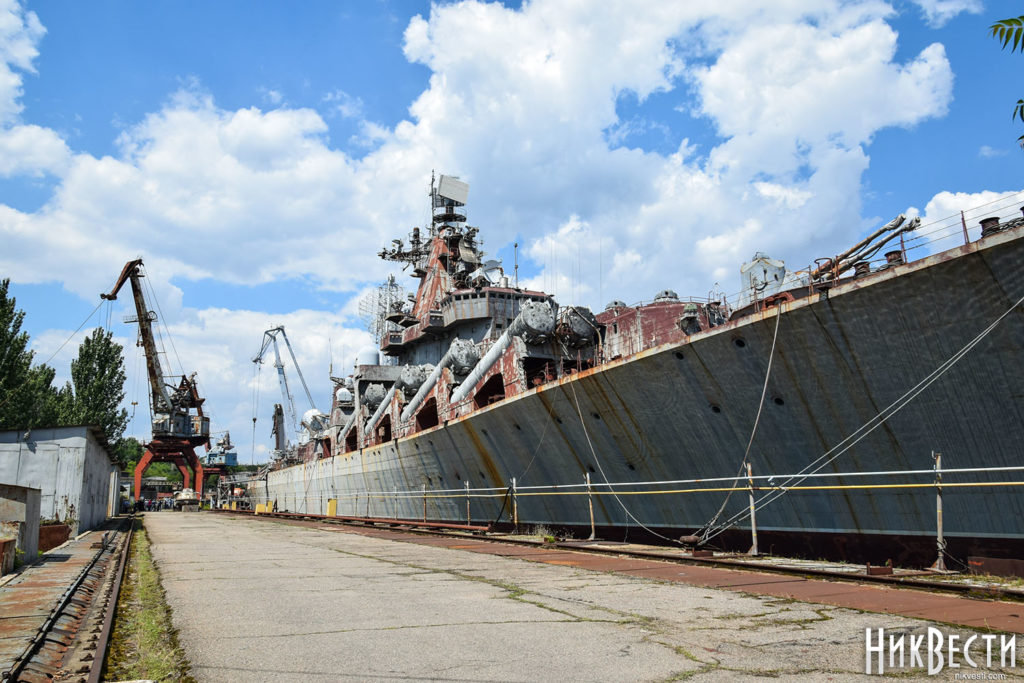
[(493, 383)]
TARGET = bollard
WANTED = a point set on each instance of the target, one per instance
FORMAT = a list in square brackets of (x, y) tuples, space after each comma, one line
[(753, 517), (590, 504), (940, 541), (515, 506)]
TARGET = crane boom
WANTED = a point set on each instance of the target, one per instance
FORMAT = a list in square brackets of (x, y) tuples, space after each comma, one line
[(131, 273), (170, 408), (270, 339)]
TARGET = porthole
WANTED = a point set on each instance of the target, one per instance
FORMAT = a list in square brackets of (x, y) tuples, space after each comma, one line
[(596, 416), (778, 401), (740, 342), (715, 409), (679, 355)]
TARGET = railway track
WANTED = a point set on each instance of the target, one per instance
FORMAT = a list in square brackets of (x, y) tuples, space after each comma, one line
[(913, 580), (70, 643)]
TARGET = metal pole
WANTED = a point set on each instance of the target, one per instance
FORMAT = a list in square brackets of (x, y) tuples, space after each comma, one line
[(753, 510), (469, 520), (515, 506), (940, 541), (396, 502), (367, 502), (590, 504), (423, 493)]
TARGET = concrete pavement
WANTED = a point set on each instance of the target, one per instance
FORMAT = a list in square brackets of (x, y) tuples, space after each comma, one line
[(264, 601)]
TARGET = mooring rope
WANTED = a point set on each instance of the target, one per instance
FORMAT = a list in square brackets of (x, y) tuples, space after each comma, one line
[(862, 432)]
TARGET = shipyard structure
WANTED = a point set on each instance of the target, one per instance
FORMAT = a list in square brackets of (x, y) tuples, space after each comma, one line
[(825, 406)]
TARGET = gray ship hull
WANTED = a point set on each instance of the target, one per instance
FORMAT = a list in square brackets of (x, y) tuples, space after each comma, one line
[(686, 411)]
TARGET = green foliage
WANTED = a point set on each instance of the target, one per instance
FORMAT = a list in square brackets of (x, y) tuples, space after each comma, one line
[(1010, 32), (27, 398), (1007, 30), (128, 451), (97, 376), (164, 469), (144, 643)]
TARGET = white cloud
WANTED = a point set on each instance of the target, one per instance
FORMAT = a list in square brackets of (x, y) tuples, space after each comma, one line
[(219, 345), (32, 150), (987, 152), (938, 12), (344, 104), (525, 105), (271, 96), (20, 32), (941, 224)]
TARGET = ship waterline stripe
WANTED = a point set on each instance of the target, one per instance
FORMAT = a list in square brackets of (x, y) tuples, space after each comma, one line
[(415, 493), (407, 495)]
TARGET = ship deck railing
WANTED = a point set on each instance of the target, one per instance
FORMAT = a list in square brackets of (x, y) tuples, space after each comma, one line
[(929, 238), (763, 482)]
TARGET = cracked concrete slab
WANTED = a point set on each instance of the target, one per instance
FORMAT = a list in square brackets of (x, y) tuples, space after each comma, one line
[(261, 601)]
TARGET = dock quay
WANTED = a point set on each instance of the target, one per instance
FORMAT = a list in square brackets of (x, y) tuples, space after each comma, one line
[(273, 600)]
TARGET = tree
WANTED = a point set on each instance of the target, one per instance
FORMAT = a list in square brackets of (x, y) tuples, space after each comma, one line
[(97, 386), (27, 398), (1007, 31), (128, 452)]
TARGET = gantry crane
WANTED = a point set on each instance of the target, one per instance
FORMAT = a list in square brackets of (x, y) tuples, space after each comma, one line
[(176, 431), (288, 402)]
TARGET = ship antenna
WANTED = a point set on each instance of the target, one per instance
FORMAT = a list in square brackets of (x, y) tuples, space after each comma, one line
[(515, 252)]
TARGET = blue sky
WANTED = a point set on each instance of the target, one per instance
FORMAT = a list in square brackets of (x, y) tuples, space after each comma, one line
[(257, 155)]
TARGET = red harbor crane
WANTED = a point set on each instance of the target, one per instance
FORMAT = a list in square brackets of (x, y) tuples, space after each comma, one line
[(176, 431)]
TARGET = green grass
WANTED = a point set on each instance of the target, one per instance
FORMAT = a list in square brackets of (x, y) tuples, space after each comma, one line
[(144, 644)]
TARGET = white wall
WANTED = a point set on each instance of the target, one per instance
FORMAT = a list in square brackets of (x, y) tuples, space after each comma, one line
[(71, 468)]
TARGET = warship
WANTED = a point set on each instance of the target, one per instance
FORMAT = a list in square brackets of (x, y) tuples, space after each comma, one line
[(862, 408)]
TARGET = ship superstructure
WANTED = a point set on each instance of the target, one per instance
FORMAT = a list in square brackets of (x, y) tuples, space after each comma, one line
[(468, 338), (837, 384)]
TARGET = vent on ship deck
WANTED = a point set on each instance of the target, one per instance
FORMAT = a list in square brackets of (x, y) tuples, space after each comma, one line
[(492, 390), (537, 371), (427, 415), (384, 431)]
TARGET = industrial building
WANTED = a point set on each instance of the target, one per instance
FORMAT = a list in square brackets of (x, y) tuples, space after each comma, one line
[(73, 468)]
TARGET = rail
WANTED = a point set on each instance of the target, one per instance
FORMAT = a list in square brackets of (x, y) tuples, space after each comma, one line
[(363, 506), (921, 580), (623, 488), (78, 601)]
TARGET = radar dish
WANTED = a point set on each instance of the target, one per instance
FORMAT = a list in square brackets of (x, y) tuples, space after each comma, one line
[(375, 307), (454, 189)]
